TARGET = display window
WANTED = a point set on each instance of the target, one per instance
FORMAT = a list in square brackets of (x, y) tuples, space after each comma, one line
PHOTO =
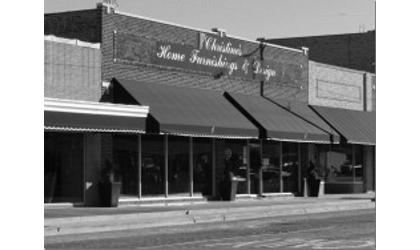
[(63, 167), (290, 167), (126, 160), (178, 165), (153, 165), (202, 169), (271, 167)]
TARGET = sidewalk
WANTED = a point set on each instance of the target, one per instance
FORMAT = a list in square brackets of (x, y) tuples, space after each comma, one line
[(72, 220)]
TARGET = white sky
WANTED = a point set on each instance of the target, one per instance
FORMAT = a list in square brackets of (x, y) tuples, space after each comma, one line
[(248, 18)]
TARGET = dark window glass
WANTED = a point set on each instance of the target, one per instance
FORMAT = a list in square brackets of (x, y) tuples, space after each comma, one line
[(358, 164), (339, 164), (290, 167), (153, 165), (254, 165), (202, 150), (63, 167), (126, 160), (178, 168), (235, 152), (271, 166)]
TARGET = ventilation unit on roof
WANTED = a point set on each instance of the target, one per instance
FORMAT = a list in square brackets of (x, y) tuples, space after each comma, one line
[(220, 32)]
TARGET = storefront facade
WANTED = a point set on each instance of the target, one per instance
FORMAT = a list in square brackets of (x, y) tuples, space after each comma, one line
[(203, 97)]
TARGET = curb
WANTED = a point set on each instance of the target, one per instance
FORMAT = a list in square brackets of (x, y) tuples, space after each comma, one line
[(105, 223)]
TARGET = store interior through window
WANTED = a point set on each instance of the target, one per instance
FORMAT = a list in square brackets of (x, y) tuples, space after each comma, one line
[(153, 165), (63, 167)]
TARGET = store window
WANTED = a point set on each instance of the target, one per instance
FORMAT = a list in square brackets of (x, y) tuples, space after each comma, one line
[(126, 160), (202, 170), (358, 163), (153, 165), (254, 165), (178, 165), (63, 167), (290, 167), (271, 166), (236, 152), (339, 165)]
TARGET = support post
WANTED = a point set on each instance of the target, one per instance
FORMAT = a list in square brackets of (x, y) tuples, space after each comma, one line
[(191, 157), (248, 170), (166, 165), (281, 167), (139, 162), (213, 167)]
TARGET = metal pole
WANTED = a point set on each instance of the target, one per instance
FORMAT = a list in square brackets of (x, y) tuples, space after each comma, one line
[(191, 167), (260, 174), (166, 165), (139, 160), (248, 170), (213, 167)]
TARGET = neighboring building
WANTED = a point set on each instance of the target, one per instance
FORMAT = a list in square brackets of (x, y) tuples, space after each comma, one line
[(164, 104), (339, 87), (353, 50)]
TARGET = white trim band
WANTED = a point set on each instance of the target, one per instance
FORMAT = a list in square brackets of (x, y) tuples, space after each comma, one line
[(76, 42), (96, 108)]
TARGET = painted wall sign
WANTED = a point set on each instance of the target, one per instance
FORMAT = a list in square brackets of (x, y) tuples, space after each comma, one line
[(213, 54)]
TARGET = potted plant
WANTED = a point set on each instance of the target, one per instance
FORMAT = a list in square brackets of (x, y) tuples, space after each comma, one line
[(109, 187)]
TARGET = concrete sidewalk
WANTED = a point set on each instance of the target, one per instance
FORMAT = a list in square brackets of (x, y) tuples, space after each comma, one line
[(74, 220)]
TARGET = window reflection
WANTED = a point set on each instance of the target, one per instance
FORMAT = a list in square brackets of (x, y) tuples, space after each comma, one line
[(178, 165), (153, 168), (336, 163), (63, 167), (238, 153), (271, 167), (202, 151), (126, 160), (290, 167)]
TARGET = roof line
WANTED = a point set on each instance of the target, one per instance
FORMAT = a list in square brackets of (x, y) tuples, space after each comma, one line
[(203, 30)]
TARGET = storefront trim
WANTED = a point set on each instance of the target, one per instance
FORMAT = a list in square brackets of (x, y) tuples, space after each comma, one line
[(93, 130), (94, 108)]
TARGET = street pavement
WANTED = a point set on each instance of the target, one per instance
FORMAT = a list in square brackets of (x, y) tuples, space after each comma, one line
[(334, 230), (78, 220)]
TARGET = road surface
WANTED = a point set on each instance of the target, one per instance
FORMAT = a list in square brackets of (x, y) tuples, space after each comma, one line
[(340, 230)]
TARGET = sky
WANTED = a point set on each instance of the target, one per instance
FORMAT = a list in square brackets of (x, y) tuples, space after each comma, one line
[(248, 18)]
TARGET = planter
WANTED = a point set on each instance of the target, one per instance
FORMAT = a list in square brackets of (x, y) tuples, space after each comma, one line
[(109, 193)]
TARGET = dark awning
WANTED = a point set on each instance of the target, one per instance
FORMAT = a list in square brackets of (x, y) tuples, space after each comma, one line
[(281, 123), (92, 123), (357, 127), (187, 111)]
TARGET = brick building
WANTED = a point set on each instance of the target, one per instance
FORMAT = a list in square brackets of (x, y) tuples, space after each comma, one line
[(352, 50), (175, 111)]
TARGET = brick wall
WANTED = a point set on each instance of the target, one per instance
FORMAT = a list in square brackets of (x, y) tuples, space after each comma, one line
[(175, 34), (84, 25), (71, 71), (335, 87), (355, 51)]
